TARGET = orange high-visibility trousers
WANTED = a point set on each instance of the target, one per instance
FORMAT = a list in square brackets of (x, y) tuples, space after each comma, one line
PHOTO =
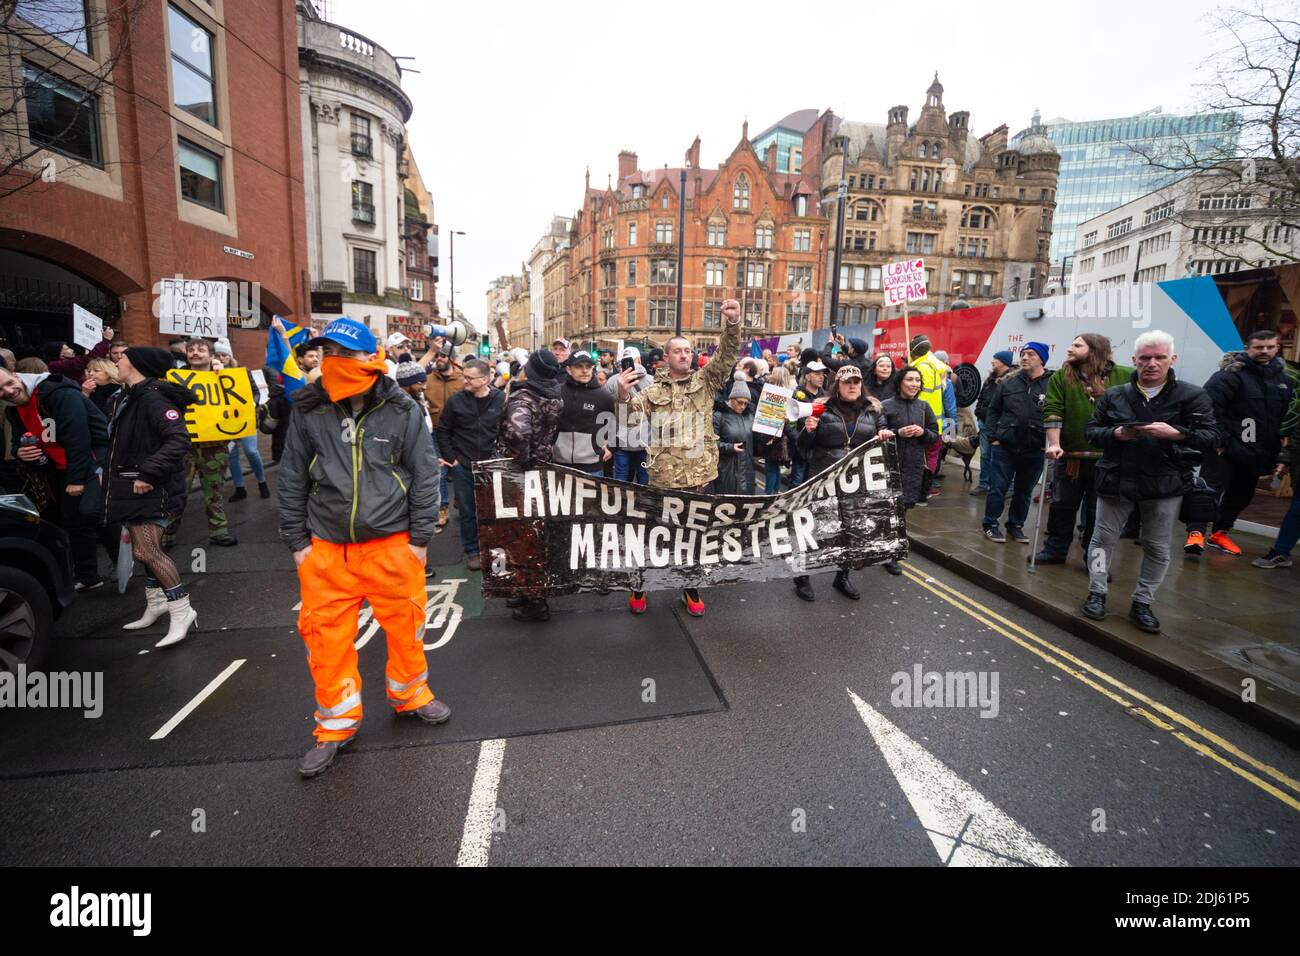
[(334, 580)]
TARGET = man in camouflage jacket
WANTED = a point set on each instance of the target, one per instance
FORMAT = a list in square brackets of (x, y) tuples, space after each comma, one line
[(675, 417)]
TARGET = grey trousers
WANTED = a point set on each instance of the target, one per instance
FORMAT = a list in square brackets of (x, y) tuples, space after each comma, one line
[(1158, 518)]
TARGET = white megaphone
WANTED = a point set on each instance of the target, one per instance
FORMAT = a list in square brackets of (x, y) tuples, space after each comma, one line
[(796, 410), (456, 333)]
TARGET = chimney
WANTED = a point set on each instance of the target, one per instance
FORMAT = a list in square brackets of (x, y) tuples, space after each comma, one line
[(626, 164), (769, 158), (693, 154)]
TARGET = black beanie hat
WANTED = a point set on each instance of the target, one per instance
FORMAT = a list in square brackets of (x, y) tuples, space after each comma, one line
[(542, 365), (809, 355), (920, 345), (150, 362), (656, 355)]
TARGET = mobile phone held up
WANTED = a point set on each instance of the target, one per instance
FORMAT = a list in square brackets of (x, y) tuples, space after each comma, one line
[(627, 363)]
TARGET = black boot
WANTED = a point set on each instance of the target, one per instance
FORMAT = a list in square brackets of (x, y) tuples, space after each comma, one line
[(803, 588), (845, 586), (239, 495), (536, 609), (263, 490), (893, 567), (1142, 618), (516, 601), (1095, 606)]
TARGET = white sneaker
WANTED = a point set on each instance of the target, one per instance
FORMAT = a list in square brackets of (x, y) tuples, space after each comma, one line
[(182, 618)]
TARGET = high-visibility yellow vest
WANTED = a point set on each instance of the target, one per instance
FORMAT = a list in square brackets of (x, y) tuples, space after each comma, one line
[(933, 375)]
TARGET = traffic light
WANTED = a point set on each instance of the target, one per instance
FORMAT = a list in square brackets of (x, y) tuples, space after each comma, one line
[(485, 348)]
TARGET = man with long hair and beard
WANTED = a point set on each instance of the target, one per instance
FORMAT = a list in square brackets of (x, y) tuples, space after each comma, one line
[(1089, 369)]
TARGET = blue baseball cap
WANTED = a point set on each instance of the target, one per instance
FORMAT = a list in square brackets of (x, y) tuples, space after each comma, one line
[(348, 333)]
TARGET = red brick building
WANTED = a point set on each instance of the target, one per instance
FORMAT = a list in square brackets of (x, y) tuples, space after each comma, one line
[(752, 234), (186, 160)]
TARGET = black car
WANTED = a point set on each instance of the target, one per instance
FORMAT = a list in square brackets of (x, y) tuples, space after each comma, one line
[(36, 582)]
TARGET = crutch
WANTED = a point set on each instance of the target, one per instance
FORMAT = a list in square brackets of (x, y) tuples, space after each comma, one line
[(1038, 524)]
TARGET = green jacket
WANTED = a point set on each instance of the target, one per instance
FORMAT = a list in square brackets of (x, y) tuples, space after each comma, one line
[(1069, 408)]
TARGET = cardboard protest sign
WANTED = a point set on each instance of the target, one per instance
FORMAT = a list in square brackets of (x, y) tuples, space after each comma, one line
[(87, 327), (904, 281), (551, 530), (224, 407), (193, 307), (769, 417)]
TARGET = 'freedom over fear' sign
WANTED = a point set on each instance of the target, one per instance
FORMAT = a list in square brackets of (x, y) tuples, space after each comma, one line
[(904, 281), (192, 307)]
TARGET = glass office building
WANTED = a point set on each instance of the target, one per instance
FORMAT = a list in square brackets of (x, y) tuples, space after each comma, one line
[(787, 136), (1100, 171)]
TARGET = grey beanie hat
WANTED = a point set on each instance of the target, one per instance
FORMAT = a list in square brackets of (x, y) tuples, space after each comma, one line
[(740, 390)]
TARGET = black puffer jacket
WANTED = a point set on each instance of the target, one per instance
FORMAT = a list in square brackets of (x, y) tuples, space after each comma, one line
[(530, 422), (586, 425), (1250, 402), (901, 411), (831, 440), (147, 441), (986, 394), (1147, 468), (468, 426), (1015, 415), (880, 391), (79, 427)]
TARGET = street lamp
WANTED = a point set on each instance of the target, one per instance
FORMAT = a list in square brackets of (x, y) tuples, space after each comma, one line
[(451, 304)]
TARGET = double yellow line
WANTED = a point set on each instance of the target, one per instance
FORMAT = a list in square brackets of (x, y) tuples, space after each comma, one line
[(1132, 700)]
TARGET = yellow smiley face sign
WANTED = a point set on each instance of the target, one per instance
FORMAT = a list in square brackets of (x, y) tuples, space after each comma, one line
[(224, 404)]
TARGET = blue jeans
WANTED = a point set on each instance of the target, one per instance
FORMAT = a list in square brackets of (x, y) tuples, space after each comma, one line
[(443, 497), (249, 445), (1289, 533), (462, 479), (798, 472), (1012, 466), (986, 458), (773, 478), (630, 466)]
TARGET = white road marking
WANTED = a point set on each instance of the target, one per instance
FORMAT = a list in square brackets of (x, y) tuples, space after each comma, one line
[(965, 828), (199, 698), (476, 837)]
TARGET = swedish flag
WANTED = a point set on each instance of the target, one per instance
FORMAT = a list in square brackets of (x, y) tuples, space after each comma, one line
[(279, 355)]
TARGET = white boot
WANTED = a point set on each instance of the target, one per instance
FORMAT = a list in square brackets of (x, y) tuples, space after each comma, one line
[(182, 617), (154, 609)]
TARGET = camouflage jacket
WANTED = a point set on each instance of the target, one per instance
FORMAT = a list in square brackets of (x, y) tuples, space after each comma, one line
[(675, 419), (529, 424)]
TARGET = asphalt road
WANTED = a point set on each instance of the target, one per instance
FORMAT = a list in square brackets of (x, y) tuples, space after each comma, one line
[(770, 732)]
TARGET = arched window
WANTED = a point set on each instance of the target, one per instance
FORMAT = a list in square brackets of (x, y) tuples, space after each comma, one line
[(977, 217), (925, 148), (866, 211), (935, 152), (740, 193)]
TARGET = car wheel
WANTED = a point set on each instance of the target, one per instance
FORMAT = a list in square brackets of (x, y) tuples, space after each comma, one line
[(26, 620)]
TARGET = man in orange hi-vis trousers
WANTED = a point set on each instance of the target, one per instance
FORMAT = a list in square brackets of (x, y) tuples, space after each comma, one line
[(358, 503)]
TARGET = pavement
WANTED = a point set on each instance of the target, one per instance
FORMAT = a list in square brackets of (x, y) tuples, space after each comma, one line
[(1227, 628), (769, 732)]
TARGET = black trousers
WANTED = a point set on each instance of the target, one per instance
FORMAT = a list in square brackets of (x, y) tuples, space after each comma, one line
[(278, 438), (1235, 484), (84, 530), (1068, 495)]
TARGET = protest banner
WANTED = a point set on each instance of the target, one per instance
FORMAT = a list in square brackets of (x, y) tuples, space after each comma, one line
[(224, 407), (193, 307), (551, 530), (769, 417), (87, 327)]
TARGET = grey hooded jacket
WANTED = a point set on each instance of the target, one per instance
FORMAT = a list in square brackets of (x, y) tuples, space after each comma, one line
[(382, 481)]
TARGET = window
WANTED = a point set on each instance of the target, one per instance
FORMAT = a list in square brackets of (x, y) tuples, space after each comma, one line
[(802, 240), (1155, 213), (925, 148), (717, 233), (638, 192), (754, 315), (796, 317), (631, 272), (663, 271), (873, 278), (363, 271), (61, 116), (801, 205), (920, 242), (715, 272), (755, 275), (1153, 274), (982, 190), (361, 142), (608, 275), (798, 278), (1089, 239), (631, 313), (977, 217), (763, 237), (417, 289), (363, 205), (631, 234), (913, 179), (607, 237), (796, 161), (663, 313), (608, 310), (1085, 265), (200, 175), (664, 232), (1223, 201), (1119, 228), (713, 315), (1155, 243), (192, 77), (663, 200), (65, 20), (740, 193)]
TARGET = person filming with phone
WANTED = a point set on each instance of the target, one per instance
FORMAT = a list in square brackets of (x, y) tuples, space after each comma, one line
[(1147, 430)]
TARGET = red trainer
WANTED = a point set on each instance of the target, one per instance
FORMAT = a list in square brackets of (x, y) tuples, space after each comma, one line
[(1195, 542), (694, 603), (636, 602), (1225, 544)]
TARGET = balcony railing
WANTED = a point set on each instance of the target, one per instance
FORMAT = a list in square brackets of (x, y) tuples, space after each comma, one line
[(363, 212), (362, 145), (926, 216)]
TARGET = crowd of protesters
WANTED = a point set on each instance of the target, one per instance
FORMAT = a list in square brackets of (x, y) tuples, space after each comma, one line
[(97, 439)]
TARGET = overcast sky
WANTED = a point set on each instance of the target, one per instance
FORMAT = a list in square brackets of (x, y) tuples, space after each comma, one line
[(516, 99)]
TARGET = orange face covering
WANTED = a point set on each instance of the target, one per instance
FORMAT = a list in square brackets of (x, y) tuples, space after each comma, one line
[(344, 377)]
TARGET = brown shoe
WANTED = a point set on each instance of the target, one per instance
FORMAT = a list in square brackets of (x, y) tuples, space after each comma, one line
[(434, 712), (442, 520), (474, 562)]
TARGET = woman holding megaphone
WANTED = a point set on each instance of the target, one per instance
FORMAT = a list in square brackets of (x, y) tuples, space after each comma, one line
[(848, 419)]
